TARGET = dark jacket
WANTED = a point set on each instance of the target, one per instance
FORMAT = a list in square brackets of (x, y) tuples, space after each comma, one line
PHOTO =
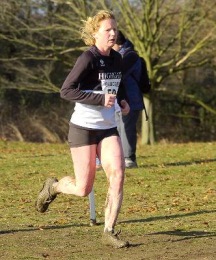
[(131, 71)]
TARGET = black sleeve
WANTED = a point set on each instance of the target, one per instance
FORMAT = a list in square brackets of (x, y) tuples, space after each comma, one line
[(121, 94), (70, 89)]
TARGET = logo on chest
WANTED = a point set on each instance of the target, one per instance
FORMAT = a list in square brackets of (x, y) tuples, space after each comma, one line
[(102, 63)]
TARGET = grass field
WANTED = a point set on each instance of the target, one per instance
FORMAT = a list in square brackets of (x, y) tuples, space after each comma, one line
[(169, 208)]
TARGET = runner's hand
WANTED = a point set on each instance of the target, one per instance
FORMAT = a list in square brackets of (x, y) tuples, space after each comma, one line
[(109, 100), (125, 108)]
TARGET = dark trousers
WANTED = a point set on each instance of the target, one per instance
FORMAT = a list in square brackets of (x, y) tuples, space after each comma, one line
[(128, 132)]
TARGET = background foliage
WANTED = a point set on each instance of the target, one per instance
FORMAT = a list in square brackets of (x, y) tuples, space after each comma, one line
[(39, 42)]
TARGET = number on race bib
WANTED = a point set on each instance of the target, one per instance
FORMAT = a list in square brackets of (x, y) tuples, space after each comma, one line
[(112, 91)]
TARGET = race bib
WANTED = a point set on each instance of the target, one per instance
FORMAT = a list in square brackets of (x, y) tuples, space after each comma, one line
[(110, 82), (110, 86)]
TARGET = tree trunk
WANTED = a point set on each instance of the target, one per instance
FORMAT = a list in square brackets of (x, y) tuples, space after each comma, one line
[(147, 136)]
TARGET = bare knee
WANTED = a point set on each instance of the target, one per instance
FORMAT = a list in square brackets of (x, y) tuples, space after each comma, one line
[(83, 192)]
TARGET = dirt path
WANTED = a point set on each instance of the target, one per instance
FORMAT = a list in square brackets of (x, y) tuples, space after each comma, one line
[(67, 243)]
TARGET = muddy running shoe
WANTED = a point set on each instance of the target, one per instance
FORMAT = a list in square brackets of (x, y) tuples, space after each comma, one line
[(110, 238), (46, 195)]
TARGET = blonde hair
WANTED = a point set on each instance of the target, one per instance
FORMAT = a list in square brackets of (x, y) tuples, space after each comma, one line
[(92, 24)]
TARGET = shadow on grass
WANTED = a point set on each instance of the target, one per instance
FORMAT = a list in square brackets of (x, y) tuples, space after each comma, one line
[(2, 232), (185, 234), (179, 163), (168, 217)]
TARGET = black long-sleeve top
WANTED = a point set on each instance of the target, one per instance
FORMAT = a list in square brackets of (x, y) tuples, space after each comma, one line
[(92, 76)]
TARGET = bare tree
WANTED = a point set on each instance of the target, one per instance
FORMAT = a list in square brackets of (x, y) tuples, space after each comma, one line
[(37, 38), (172, 36), (41, 37)]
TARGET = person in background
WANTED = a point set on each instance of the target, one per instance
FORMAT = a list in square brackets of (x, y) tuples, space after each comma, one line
[(98, 163), (127, 123), (94, 84)]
